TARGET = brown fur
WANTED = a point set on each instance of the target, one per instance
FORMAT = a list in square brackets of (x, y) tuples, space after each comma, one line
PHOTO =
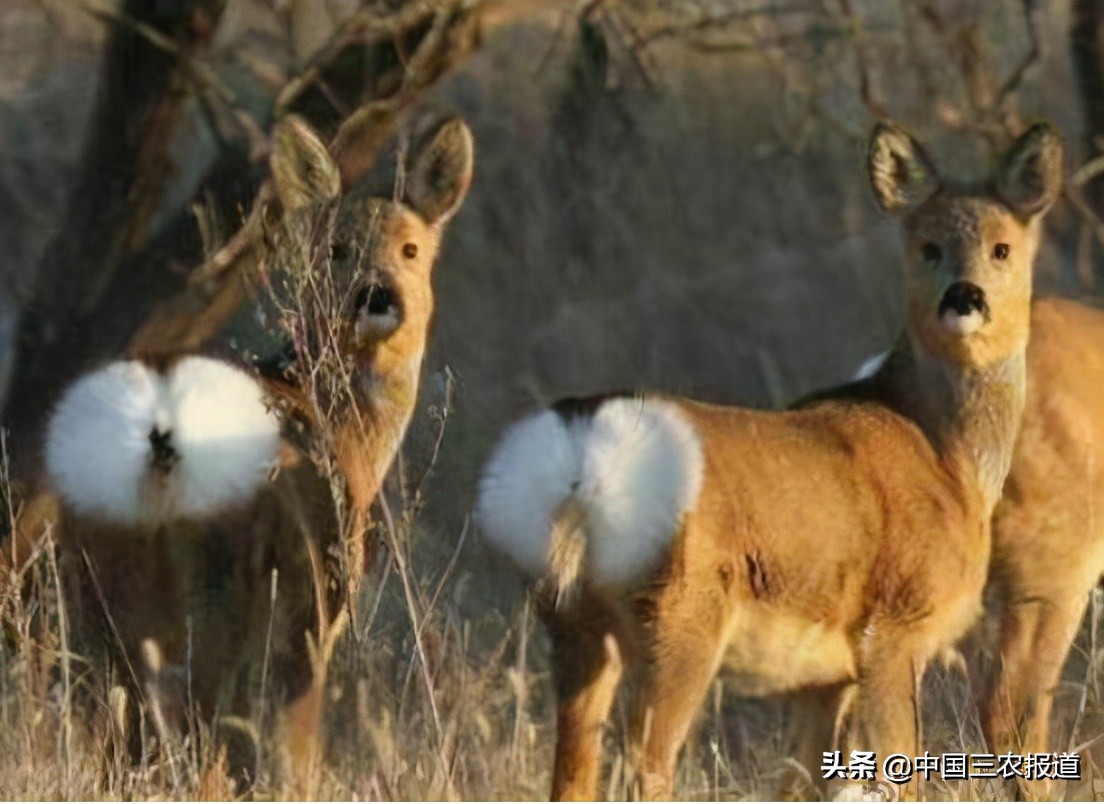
[(206, 616), (835, 549), (1048, 536)]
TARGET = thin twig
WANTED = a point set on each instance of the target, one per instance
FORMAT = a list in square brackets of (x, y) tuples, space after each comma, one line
[(1033, 55), (363, 28), (66, 667), (723, 19), (862, 63)]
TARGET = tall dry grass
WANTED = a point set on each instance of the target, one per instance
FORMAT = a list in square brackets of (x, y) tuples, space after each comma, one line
[(426, 701), (715, 239)]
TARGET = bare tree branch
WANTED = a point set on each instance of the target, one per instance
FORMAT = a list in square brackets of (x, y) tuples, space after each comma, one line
[(1032, 57), (712, 20), (217, 288), (96, 287), (125, 170)]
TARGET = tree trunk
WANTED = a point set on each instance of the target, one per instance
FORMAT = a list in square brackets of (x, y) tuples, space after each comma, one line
[(102, 275), (1087, 54), (73, 318)]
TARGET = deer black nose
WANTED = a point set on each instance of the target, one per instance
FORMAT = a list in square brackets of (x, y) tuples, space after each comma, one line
[(377, 307), (964, 298), (376, 298)]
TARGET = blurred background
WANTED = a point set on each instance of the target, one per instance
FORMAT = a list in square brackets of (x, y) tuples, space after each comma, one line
[(669, 195)]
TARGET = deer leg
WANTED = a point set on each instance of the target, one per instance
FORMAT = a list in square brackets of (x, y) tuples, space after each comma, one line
[(588, 664), (303, 741), (879, 713), (305, 713), (307, 597), (811, 721), (1035, 638), (683, 665), (238, 740)]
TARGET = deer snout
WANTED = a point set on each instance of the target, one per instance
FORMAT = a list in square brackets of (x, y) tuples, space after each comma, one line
[(377, 307), (963, 308)]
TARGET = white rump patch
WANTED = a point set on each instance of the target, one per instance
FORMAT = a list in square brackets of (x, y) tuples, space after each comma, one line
[(100, 457), (870, 366), (634, 467)]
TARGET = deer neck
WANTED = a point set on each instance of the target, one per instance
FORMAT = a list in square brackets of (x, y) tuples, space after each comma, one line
[(370, 435), (971, 415), (368, 423)]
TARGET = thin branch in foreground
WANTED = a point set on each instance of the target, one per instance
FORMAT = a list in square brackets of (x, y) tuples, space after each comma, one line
[(1033, 56)]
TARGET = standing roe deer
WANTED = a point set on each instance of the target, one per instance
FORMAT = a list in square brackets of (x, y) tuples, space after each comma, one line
[(1048, 536), (829, 551), (203, 554)]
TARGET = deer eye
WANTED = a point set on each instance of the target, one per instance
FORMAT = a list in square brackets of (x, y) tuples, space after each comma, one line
[(410, 250), (931, 253), (338, 252), (1000, 251)]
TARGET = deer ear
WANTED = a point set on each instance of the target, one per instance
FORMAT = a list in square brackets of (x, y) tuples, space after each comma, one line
[(1030, 178), (441, 173), (302, 168), (901, 174)]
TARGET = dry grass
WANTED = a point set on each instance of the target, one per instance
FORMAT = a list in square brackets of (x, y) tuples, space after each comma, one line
[(720, 243), (427, 703)]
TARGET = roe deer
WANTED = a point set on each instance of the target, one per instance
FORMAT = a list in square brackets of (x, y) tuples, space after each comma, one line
[(827, 552), (1048, 536), (205, 557)]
